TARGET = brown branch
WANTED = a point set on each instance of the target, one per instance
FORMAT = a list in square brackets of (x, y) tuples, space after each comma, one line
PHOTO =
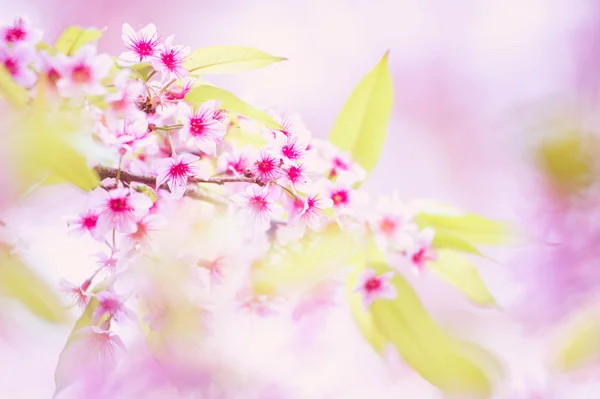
[(106, 172)]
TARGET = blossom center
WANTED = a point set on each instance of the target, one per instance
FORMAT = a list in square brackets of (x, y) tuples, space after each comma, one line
[(180, 170), (11, 66), (340, 197), (372, 284), (197, 126), (53, 75), (144, 48), (89, 222), (259, 203), (419, 257), (290, 151), (81, 74), (265, 165), (387, 226), (294, 173), (169, 60), (119, 204), (15, 34)]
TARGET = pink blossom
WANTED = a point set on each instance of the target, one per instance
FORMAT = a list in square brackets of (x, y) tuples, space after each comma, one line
[(292, 149), (333, 162), (114, 263), (142, 45), (308, 211), (295, 176), (78, 293), (112, 305), (123, 101), (257, 304), (17, 61), (392, 223), (372, 286), (215, 268), (170, 59), (120, 209), (176, 93), (175, 172), (266, 168), (422, 251), (146, 229), (257, 207), (292, 125), (91, 351), (130, 135), (84, 71), (201, 128), (233, 163), (20, 31), (86, 223), (52, 67)]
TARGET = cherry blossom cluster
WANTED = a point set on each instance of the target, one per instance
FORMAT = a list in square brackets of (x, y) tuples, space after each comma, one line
[(163, 150)]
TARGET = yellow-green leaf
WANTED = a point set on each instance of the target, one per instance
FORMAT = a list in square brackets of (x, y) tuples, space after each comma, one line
[(457, 270), (580, 342), (361, 127), (41, 146), (75, 37), (42, 46), (9, 89), (442, 360), (228, 59), (18, 281), (143, 70), (472, 228), (242, 137), (231, 103), (447, 240)]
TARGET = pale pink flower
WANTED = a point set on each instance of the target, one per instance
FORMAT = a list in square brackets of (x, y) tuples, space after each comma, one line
[(201, 128), (20, 31), (112, 305), (51, 66), (120, 209), (147, 227), (86, 223), (392, 223), (266, 168), (295, 176), (257, 207), (92, 349), (142, 45), (178, 93), (114, 263), (17, 61), (175, 172), (215, 268), (292, 125), (308, 211), (233, 162), (123, 101), (291, 149), (333, 162), (77, 293), (257, 304), (130, 135), (422, 251), (372, 286), (170, 59), (84, 71)]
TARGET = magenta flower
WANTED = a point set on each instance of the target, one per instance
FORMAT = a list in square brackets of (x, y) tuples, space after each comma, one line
[(119, 209), (170, 59), (233, 163), (17, 61), (295, 176), (422, 251), (123, 102), (142, 45), (308, 211), (84, 71), (201, 128), (20, 31), (130, 135), (291, 148), (175, 172), (266, 168), (111, 305), (77, 293), (335, 163), (86, 223), (146, 228), (256, 206), (372, 286), (51, 66)]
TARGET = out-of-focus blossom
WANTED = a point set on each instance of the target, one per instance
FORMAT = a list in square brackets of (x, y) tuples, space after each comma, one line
[(17, 60), (77, 293), (120, 209), (20, 31), (111, 305), (371, 287), (83, 72), (256, 206)]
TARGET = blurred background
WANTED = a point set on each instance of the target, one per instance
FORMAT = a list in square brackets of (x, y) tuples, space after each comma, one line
[(475, 83)]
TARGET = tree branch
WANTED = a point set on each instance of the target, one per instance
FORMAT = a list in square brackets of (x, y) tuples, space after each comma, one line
[(106, 172)]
